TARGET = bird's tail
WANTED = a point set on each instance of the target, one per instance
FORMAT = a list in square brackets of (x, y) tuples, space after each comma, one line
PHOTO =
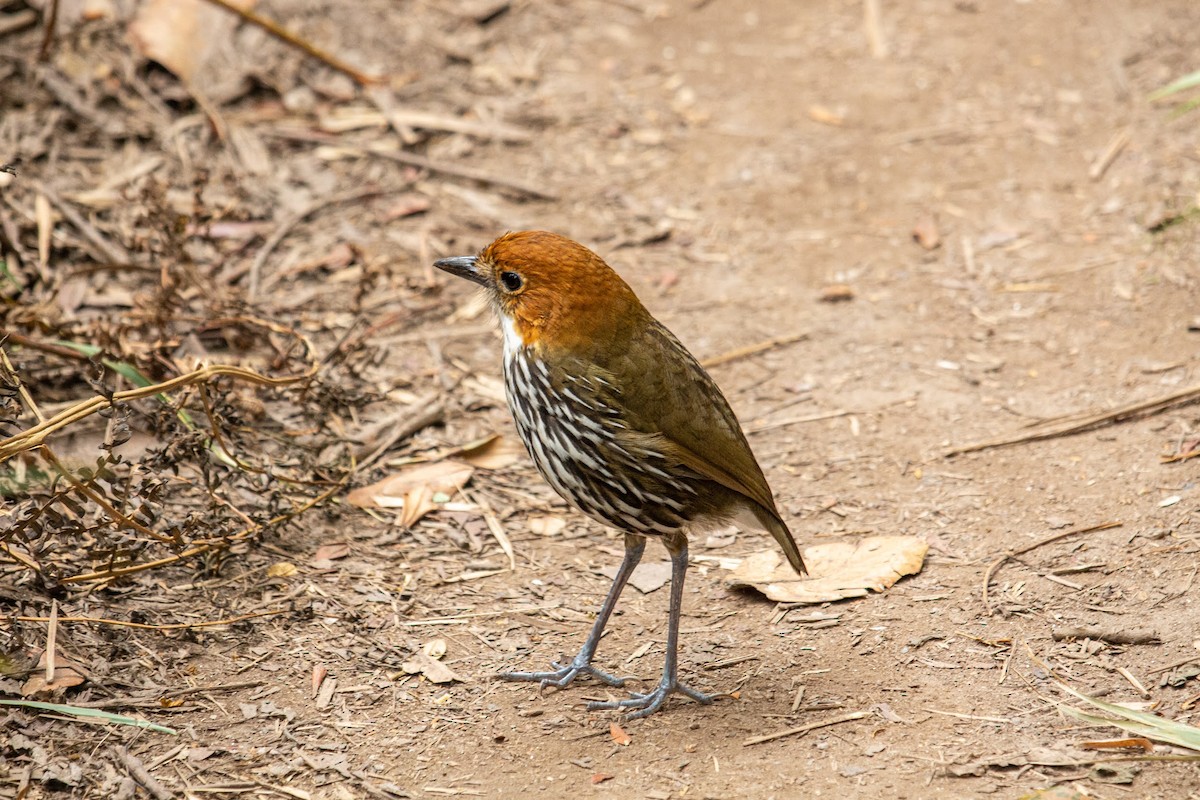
[(777, 528)]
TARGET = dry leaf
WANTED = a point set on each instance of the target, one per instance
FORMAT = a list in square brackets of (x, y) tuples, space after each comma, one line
[(647, 577), (405, 206), (328, 552), (491, 452), (281, 569), (318, 677), (417, 490), (67, 673), (601, 777), (837, 570), (547, 526), (837, 293), (433, 670), (618, 734), (826, 116), (925, 233), (183, 35), (435, 648), (1143, 744), (325, 692), (486, 387)]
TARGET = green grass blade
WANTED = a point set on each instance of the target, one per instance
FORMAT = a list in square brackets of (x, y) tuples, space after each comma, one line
[(1151, 726), (1180, 85), (1184, 108), (92, 713), (7, 276)]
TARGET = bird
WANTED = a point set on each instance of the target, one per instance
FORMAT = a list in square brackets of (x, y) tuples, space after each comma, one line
[(622, 421)]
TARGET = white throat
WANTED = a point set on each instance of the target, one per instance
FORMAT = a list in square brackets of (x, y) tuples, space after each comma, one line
[(512, 338)]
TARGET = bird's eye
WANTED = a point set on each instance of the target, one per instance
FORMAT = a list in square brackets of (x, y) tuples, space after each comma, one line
[(511, 280)]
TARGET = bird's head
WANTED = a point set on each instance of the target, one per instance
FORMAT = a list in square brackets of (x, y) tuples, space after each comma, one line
[(551, 292)]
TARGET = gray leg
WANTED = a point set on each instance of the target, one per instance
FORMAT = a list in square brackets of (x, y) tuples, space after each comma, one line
[(650, 702), (563, 674)]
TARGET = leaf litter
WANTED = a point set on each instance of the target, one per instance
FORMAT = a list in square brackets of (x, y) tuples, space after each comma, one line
[(836, 570)]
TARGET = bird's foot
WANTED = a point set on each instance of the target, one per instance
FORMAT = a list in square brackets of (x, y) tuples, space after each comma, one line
[(650, 702), (563, 674)]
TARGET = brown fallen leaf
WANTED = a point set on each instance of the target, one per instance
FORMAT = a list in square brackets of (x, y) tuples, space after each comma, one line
[(433, 670), (1115, 744), (837, 293), (925, 233), (547, 526), (837, 570), (332, 550), (190, 38), (67, 673), (417, 490), (491, 452), (434, 648), (618, 734), (405, 206), (601, 777), (826, 116), (318, 677), (646, 578)]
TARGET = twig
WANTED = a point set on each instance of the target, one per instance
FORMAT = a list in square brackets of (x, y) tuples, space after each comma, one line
[(1113, 637), (137, 770), (462, 618), (1133, 681), (1087, 421), (995, 565), (403, 119), (35, 437), (51, 641), (216, 687), (1193, 453), (752, 350), (812, 726), (210, 547), (729, 662), (400, 429), (872, 21), (291, 222), (497, 531), (1192, 659), (11, 372), (171, 626), (421, 162), (11, 23), (48, 36), (759, 427), (286, 36), (106, 250), (1116, 144), (118, 519), (1001, 720), (154, 699)]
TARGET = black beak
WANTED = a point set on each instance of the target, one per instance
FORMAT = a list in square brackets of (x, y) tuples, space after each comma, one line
[(465, 267)]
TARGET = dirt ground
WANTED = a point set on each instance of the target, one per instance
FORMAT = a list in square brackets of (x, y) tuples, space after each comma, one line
[(1009, 225)]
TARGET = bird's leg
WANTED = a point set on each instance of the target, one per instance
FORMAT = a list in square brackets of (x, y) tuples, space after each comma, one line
[(563, 674), (650, 702)]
